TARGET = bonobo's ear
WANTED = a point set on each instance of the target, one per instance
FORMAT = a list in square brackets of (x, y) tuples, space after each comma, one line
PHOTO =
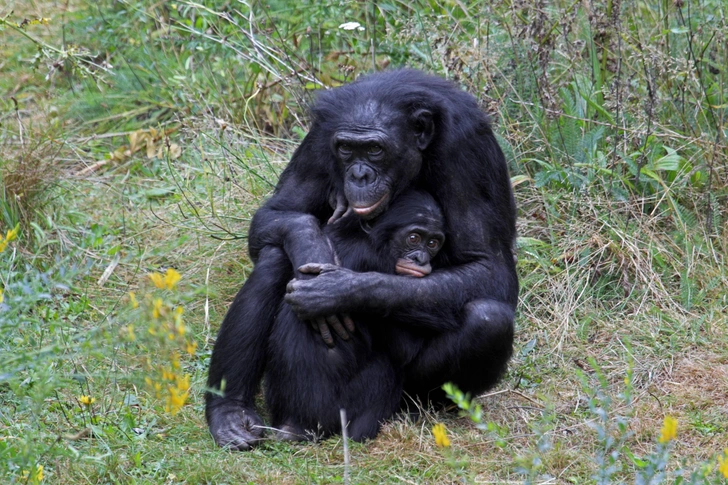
[(424, 127)]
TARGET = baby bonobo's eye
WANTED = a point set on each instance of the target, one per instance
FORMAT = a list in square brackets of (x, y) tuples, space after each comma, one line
[(414, 239), (433, 244)]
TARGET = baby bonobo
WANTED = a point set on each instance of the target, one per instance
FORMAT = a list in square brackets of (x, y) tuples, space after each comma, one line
[(308, 380)]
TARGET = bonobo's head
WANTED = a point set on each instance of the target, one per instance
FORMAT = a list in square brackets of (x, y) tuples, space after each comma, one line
[(411, 232), (377, 137)]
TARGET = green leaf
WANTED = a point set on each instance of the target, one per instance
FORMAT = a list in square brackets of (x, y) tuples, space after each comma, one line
[(158, 193), (671, 161)]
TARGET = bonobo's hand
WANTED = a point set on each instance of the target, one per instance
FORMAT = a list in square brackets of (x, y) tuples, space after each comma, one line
[(235, 427), (322, 324), (315, 299), (335, 322)]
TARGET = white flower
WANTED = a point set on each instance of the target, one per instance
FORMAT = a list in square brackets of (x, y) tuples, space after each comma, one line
[(351, 26)]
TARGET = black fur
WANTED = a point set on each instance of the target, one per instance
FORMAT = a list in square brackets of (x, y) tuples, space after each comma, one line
[(307, 382), (458, 320)]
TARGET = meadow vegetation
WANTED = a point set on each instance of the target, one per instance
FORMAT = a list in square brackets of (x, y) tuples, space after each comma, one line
[(137, 138)]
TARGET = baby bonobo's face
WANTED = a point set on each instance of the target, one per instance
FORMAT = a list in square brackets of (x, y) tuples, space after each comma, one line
[(415, 246)]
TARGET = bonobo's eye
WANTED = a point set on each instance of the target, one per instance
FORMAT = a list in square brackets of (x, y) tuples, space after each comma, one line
[(344, 150), (414, 239), (374, 150), (433, 244)]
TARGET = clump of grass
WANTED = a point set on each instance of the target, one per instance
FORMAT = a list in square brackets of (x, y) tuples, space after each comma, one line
[(27, 176)]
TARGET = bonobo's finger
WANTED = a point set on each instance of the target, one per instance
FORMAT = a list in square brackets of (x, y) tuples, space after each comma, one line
[(346, 214), (348, 323), (342, 208), (291, 286), (311, 268), (325, 332), (334, 322), (317, 268)]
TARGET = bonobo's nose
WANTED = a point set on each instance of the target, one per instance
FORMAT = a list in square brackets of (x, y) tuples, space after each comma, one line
[(362, 175), (421, 258)]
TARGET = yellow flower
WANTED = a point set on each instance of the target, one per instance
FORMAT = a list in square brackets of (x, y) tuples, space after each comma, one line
[(168, 375), (158, 308), (130, 333), (669, 430), (12, 234), (2, 297), (133, 300), (35, 477), (723, 463), (3, 243), (183, 383), (191, 347), (157, 279), (440, 433), (177, 395), (171, 278), (87, 400), (155, 386), (167, 281)]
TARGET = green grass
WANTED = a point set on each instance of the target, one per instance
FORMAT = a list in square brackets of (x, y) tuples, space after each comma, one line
[(138, 136)]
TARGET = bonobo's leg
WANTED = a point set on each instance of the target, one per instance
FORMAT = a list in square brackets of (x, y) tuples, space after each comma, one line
[(372, 397), (239, 355), (473, 356)]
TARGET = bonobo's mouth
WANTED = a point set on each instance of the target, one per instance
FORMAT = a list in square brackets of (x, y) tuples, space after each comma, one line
[(407, 267), (365, 211)]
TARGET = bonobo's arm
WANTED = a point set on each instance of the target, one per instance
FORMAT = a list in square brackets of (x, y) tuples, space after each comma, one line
[(291, 219), (433, 302), (480, 266)]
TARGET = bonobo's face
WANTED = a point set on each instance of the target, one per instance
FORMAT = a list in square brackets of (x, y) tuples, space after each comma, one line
[(415, 246), (379, 153)]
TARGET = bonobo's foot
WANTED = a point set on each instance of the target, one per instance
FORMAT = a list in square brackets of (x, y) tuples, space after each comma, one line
[(235, 427), (289, 432)]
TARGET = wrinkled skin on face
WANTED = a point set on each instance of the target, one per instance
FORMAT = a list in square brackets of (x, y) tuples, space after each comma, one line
[(378, 153)]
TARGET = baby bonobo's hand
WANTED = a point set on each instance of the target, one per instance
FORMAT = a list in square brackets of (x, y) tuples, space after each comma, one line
[(340, 206)]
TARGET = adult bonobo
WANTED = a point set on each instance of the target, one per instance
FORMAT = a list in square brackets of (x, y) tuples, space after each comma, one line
[(370, 140)]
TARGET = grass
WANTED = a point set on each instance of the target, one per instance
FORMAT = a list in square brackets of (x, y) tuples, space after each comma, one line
[(139, 136)]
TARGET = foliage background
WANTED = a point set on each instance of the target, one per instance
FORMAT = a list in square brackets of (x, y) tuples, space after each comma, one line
[(138, 136)]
